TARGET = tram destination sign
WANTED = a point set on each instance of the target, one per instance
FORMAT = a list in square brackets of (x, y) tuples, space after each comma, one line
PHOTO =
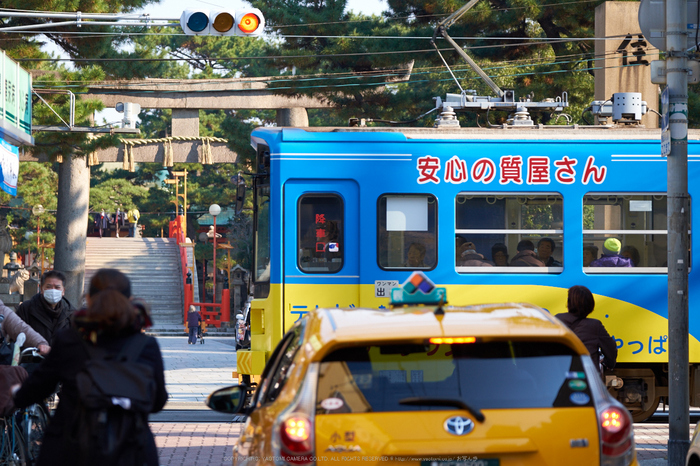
[(15, 103)]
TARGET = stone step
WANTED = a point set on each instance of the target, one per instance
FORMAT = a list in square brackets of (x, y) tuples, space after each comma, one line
[(152, 265)]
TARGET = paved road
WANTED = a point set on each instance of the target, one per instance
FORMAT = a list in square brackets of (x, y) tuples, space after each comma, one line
[(191, 373), (187, 433)]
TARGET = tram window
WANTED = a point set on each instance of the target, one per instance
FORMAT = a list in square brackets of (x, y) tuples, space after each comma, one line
[(320, 233), (407, 231), (636, 220), (509, 233)]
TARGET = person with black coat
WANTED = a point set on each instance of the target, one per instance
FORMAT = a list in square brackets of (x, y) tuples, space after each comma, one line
[(48, 311), (109, 321), (591, 332)]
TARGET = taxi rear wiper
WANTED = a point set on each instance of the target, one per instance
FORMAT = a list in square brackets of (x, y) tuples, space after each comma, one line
[(420, 401)]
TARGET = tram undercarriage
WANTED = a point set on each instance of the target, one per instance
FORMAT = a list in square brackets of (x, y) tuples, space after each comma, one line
[(642, 388)]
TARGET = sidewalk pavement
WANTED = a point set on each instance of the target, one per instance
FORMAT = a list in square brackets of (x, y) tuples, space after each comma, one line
[(194, 371), (191, 373)]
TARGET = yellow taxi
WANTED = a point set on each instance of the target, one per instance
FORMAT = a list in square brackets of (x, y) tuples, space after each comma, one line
[(430, 385)]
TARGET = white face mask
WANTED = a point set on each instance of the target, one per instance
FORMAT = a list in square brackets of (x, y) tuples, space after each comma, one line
[(53, 296)]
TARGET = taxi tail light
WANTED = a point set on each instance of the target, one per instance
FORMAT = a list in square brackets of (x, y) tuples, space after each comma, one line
[(617, 436), (293, 430), (296, 439)]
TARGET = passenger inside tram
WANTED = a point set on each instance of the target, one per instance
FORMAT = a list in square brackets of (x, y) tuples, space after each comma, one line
[(415, 255), (590, 253), (631, 252), (499, 254)]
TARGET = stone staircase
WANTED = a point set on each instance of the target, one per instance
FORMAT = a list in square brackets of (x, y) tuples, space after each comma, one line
[(153, 266)]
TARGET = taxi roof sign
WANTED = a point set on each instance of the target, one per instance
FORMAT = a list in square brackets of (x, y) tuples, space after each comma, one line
[(418, 289)]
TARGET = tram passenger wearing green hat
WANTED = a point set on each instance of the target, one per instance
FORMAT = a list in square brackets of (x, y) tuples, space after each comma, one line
[(611, 255)]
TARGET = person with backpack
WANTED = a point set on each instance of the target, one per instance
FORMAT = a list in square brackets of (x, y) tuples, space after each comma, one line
[(133, 216), (591, 332), (112, 377)]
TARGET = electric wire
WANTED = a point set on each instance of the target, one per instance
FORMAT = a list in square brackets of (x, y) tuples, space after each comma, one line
[(369, 19), (525, 62), (272, 82)]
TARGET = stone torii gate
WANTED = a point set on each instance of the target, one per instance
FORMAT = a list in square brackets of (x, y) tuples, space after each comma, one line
[(185, 98)]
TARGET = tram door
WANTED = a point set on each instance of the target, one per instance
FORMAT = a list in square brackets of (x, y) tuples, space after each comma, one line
[(321, 246)]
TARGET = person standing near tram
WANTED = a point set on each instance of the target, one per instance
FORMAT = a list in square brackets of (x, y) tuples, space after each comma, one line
[(591, 332)]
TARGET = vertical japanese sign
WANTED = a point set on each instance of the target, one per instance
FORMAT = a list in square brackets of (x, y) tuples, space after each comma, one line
[(15, 103), (9, 161), (665, 126), (638, 48)]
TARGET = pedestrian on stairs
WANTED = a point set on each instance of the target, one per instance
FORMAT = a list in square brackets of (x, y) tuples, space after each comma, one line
[(193, 320), (133, 216), (102, 222), (118, 219)]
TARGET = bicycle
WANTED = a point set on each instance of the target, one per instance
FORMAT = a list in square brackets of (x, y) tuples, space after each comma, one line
[(23, 431), (12, 451), (34, 418)]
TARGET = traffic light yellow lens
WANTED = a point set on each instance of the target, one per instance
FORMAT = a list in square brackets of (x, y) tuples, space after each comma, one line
[(223, 22), (249, 23)]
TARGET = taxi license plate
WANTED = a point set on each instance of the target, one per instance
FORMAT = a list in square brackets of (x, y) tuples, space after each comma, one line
[(463, 462)]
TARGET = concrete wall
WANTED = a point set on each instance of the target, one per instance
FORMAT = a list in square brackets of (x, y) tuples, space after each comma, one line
[(624, 45)]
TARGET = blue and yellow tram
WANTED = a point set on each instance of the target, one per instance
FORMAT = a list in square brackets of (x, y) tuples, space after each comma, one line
[(343, 215)]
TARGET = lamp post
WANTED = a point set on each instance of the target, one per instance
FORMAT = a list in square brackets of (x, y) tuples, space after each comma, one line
[(203, 238), (37, 210), (27, 234), (214, 210), (178, 196)]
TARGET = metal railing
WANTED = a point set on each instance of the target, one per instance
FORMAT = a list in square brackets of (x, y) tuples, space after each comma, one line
[(212, 313)]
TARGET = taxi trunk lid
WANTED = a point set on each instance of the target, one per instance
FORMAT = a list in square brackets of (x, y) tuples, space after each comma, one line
[(506, 437)]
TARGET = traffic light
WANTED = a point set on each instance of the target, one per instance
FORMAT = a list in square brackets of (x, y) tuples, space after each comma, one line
[(244, 22)]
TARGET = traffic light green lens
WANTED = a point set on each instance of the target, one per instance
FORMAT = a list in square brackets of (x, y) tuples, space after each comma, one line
[(198, 22), (223, 22), (249, 23)]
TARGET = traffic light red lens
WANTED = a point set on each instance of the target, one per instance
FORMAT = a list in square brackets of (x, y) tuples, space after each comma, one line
[(249, 23), (198, 22), (223, 22)]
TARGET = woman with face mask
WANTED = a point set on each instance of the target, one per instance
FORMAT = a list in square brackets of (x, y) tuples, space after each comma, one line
[(49, 311)]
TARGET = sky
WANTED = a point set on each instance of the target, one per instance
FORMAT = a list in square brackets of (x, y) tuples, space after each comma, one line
[(173, 8)]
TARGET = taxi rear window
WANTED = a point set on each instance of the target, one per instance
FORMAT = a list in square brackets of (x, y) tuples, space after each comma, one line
[(488, 375)]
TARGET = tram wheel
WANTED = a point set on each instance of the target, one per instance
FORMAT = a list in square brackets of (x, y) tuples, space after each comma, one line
[(641, 416)]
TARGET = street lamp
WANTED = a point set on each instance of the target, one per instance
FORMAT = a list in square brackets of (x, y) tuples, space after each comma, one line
[(203, 238), (214, 210), (37, 210)]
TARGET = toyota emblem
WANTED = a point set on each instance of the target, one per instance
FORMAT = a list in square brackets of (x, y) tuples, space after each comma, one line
[(459, 425)]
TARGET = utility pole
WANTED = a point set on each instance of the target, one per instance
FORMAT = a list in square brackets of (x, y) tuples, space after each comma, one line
[(677, 211), (665, 25)]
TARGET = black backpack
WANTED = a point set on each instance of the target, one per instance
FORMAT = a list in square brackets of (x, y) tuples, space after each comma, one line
[(116, 394)]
